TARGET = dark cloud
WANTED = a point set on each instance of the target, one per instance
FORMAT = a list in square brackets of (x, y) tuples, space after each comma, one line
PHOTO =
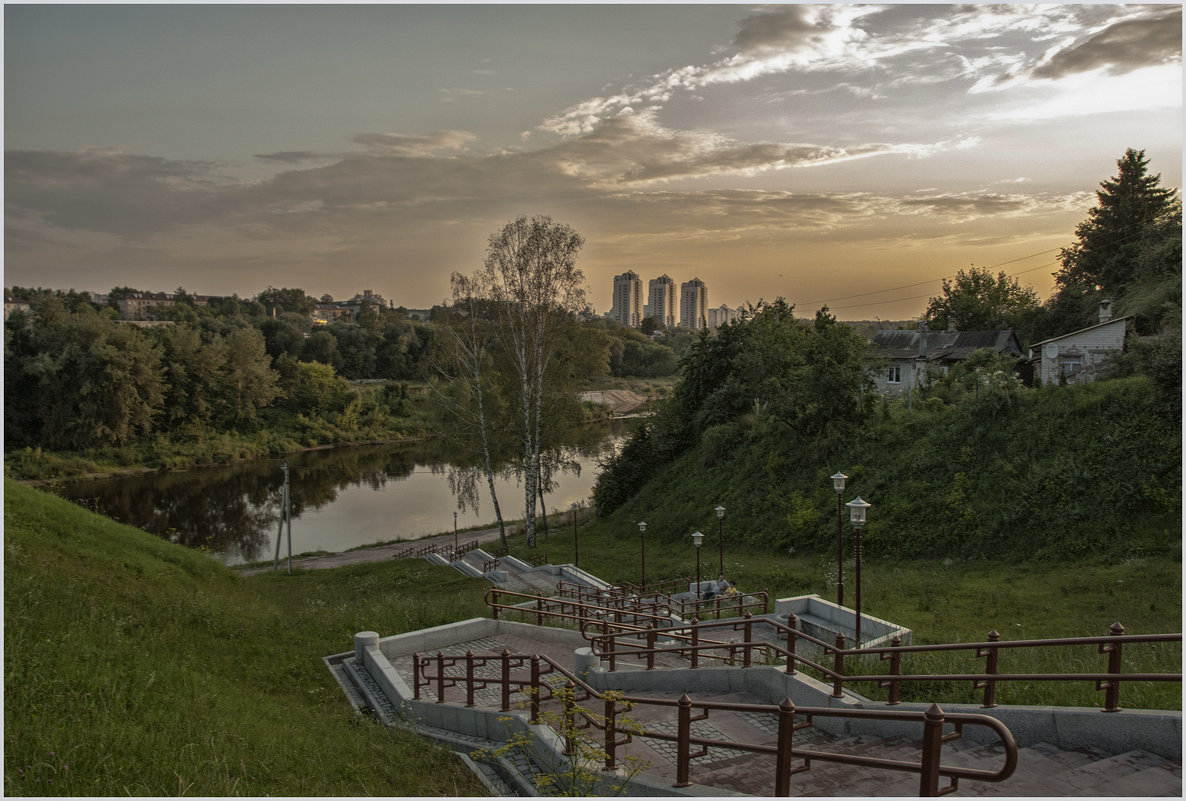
[(107, 191), (1123, 47), (290, 156), (786, 28)]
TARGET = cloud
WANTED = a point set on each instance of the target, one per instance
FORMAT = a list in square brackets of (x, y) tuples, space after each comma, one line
[(401, 145), (290, 156), (108, 191), (1125, 46)]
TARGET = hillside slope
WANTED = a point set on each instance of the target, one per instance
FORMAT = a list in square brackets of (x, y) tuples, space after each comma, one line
[(1055, 473), (133, 666)]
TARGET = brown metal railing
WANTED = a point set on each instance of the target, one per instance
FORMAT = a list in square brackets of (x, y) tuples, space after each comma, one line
[(537, 559), (566, 610), (667, 587), (690, 643), (757, 603), (539, 690), (491, 564)]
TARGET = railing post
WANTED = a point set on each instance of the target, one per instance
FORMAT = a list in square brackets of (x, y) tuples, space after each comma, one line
[(416, 677), (652, 633), (747, 629), (506, 680), (895, 670), (535, 688), (695, 643), (1112, 685), (469, 678), (990, 667), (539, 611), (612, 650), (440, 678), (932, 743), (838, 668), (786, 731), (792, 628), (494, 599), (683, 742), (611, 716)]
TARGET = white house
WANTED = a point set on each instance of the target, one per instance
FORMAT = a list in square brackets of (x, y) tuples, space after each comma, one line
[(1080, 356)]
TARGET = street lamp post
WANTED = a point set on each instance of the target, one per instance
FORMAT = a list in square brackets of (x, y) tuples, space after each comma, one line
[(838, 484), (454, 532), (858, 508), (697, 540), (721, 537), (642, 549), (576, 543)]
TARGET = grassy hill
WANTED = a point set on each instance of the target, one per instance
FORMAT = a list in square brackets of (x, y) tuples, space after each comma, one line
[(133, 666)]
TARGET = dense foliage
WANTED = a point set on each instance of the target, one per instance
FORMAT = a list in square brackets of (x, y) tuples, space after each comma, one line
[(767, 371)]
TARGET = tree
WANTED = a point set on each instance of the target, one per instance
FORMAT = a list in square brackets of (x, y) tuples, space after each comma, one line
[(531, 276), (1109, 243), (286, 300), (249, 383), (469, 399), (978, 301)]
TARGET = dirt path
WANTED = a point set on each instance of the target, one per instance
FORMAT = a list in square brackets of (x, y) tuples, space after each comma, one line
[(377, 553)]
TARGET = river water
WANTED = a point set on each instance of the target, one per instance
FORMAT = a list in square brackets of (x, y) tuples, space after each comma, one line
[(340, 498)]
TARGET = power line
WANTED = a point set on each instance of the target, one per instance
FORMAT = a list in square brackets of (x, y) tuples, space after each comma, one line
[(933, 280)]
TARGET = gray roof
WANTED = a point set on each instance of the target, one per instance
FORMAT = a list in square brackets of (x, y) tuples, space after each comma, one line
[(944, 346)]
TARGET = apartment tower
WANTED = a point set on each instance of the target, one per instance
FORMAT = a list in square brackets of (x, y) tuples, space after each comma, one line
[(627, 308), (661, 300), (693, 304)]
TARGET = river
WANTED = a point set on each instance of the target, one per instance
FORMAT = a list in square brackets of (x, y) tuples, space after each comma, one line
[(340, 498)]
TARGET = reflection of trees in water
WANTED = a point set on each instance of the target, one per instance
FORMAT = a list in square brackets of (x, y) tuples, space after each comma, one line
[(235, 509)]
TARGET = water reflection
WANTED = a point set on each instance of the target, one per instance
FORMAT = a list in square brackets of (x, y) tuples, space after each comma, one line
[(341, 497)]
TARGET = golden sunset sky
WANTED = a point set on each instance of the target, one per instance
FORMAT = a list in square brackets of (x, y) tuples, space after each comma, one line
[(852, 155)]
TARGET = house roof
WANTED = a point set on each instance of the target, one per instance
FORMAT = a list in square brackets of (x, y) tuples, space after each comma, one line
[(1080, 331), (944, 345)]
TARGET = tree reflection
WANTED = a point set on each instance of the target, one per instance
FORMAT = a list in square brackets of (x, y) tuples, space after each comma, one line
[(234, 510)]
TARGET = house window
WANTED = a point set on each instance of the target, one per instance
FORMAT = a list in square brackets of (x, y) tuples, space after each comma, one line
[(1069, 365), (895, 375)]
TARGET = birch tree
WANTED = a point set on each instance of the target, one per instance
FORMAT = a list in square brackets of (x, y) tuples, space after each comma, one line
[(464, 360), (531, 276)]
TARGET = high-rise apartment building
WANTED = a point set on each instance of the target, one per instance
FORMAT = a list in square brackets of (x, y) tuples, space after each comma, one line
[(693, 304), (722, 316), (627, 308), (661, 300)]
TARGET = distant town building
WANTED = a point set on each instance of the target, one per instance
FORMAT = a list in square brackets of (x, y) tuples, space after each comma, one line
[(693, 304), (627, 308), (661, 300), (722, 316), (143, 305), (13, 305)]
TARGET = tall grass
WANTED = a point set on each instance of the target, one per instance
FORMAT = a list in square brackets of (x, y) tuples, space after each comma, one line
[(136, 667)]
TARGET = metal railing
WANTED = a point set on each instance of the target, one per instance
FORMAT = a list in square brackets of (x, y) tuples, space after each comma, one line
[(570, 611), (666, 587), (786, 639), (491, 564), (543, 678), (757, 603)]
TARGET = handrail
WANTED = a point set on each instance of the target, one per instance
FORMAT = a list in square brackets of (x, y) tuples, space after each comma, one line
[(933, 719), (547, 607), (1109, 680)]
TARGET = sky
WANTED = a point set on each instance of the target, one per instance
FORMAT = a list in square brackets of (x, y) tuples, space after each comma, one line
[(842, 155)]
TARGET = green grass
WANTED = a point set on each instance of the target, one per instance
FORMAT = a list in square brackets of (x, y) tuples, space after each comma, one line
[(941, 600), (136, 667), (133, 666)]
